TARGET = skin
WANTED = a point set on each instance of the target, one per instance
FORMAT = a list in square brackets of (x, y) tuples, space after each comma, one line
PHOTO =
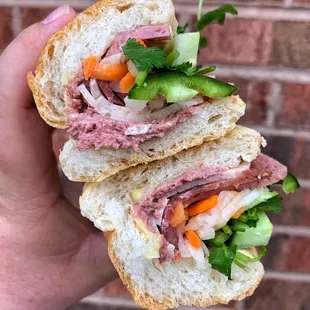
[(50, 256)]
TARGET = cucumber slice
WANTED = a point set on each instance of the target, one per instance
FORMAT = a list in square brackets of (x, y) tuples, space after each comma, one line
[(187, 44), (253, 237)]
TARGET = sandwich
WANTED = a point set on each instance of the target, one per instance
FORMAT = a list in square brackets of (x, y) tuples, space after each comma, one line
[(123, 79), (191, 229)]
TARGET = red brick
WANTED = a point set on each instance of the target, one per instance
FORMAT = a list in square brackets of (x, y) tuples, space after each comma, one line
[(301, 2), (296, 209), (300, 160), (116, 288), (291, 44), (30, 15), (256, 95), (295, 112), (274, 294), (241, 41), (6, 33)]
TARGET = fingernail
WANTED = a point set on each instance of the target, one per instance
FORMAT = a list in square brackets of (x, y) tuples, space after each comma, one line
[(61, 11)]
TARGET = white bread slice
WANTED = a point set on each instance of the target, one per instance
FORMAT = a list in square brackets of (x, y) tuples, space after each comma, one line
[(90, 33), (108, 205), (211, 121)]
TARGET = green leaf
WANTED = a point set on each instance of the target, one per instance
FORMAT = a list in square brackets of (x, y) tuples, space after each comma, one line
[(216, 17), (174, 55), (203, 42), (290, 184), (221, 259), (252, 217), (273, 205), (182, 29), (145, 59)]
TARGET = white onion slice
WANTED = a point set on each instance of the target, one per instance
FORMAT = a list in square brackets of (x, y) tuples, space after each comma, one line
[(138, 130), (196, 100), (157, 103), (116, 59), (94, 89), (132, 68), (205, 233), (135, 105), (197, 254), (92, 101)]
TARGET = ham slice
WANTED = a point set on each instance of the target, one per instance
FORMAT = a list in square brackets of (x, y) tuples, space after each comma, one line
[(263, 171), (158, 33)]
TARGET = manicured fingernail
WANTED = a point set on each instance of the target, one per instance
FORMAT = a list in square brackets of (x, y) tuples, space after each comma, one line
[(61, 11)]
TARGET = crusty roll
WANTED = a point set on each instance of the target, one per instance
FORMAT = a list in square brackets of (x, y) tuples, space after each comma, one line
[(91, 33), (170, 284)]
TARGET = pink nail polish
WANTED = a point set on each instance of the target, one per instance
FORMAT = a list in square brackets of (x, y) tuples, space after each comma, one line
[(61, 11)]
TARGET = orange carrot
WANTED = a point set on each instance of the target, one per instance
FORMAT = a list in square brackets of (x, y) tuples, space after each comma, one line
[(193, 239), (89, 65), (238, 213), (178, 215), (202, 206), (127, 82), (107, 72), (141, 42)]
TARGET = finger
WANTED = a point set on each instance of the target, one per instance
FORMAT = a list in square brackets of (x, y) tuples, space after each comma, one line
[(22, 55)]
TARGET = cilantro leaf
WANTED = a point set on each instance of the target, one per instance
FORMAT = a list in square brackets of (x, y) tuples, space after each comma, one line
[(182, 29), (221, 259), (203, 42), (187, 68), (252, 217), (145, 59), (273, 205), (290, 184), (216, 17)]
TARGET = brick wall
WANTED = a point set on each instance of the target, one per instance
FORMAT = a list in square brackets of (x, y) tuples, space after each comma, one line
[(265, 51)]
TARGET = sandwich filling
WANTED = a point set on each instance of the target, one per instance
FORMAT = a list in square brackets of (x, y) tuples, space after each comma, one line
[(211, 210), (142, 87)]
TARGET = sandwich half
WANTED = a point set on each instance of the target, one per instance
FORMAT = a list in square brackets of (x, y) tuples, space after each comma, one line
[(186, 230), (127, 88)]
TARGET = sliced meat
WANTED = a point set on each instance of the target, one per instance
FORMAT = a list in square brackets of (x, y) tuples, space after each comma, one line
[(109, 93), (93, 130), (158, 33)]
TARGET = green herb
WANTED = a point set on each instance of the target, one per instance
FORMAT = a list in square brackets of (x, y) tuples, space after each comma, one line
[(234, 228), (221, 259), (172, 57), (182, 29), (203, 42), (140, 79), (185, 67), (243, 218), (273, 205), (290, 184), (215, 17), (227, 230), (145, 59), (219, 239), (252, 217), (206, 70), (199, 9), (245, 259)]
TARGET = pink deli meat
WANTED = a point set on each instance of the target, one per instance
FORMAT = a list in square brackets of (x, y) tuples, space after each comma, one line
[(158, 33), (93, 130), (264, 171)]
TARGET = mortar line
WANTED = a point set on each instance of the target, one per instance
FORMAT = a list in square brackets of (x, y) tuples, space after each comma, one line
[(292, 231), (288, 133), (288, 3), (240, 305), (301, 76), (274, 103), (287, 276), (16, 21), (304, 183)]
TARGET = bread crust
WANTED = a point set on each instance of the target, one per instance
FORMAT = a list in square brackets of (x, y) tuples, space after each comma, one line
[(45, 107), (147, 302)]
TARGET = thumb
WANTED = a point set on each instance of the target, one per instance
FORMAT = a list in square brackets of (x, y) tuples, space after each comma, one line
[(22, 54)]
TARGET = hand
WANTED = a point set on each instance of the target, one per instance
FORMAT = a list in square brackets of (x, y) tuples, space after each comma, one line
[(50, 256)]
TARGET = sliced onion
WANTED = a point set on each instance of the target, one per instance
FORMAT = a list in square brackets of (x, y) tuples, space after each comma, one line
[(236, 172), (157, 103), (116, 59), (185, 253), (92, 101), (132, 68), (116, 86), (197, 254), (94, 89), (135, 105), (138, 130), (196, 100), (205, 233)]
